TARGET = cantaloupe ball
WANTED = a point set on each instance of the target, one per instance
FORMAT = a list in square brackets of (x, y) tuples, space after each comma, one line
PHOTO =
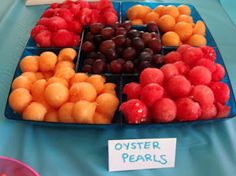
[(166, 23), (34, 111), (137, 11), (58, 80), (151, 17), (137, 22), (184, 18), (47, 61), (29, 64), (30, 75), (67, 73), (19, 99), (184, 30), (196, 40), (51, 116), (21, 82), (99, 118), (109, 88), (83, 111), (159, 9), (82, 91), (171, 10), (184, 9), (62, 64), (56, 94), (65, 113), (67, 54), (39, 75), (107, 104), (171, 39), (79, 77), (199, 28), (98, 82), (48, 74), (37, 89), (45, 104)]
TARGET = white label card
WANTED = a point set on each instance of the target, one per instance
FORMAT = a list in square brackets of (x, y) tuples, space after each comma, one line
[(136, 154)]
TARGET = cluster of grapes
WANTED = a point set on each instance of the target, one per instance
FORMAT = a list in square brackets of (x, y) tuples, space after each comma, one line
[(120, 49)]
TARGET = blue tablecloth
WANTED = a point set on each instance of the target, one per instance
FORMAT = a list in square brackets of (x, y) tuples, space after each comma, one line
[(202, 149)]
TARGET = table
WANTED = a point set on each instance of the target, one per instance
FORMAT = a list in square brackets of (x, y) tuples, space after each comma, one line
[(202, 149)]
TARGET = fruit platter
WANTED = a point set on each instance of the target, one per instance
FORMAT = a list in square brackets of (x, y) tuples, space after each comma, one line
[(100, 64)]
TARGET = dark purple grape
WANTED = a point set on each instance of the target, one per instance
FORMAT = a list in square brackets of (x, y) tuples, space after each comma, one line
[(127, 25), (91, 55), (119, 40), (119, 51), (152, 27), (87, 68), (96, 28), (100, 55), (133, 33), (88, 47), (129, 53), (111, 54), (141, 33), (155, 45), (145, 56), (89, 37), (107, 33), (146, 37), (128, 67), (115, 67), (107, 44), (143, 64), (148, 50), (97, 39), (157, 60), (138, 44), (155, 35), (121, 31), (128, 42), (122, 61), (88, 61), (99, 66), (115, 25)]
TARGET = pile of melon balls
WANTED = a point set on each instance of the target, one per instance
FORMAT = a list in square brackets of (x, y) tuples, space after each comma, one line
[(49, 90), (176, 23)]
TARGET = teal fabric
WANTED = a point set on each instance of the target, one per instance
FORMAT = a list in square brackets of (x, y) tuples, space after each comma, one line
[(202, 149), (230, 6)]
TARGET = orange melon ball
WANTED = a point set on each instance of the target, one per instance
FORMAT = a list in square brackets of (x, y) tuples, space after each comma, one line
[(196, 40), (82, 91), (171, 10), (19, 99), (138, 11), (107, 104), (45, 104), (37, 89), (51, 116), (184, 9), (39, 75), (137, 22), (79, 77), (199, 28), (83, 111), (67, 73), (184, 18), (109, 88), (171, 39), (98, 82), (56, 94), (67, 54), (47, 61), (151, 17), (62, 64), (34, 111), (184, 30), (48, 74), (65, 113), (166, 23), (58, 80), (30, 75), (99, 118), (159, 9), (21, 82), (29, 64)]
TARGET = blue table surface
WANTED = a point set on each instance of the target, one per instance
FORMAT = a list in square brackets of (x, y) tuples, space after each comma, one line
[(202, 149)]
